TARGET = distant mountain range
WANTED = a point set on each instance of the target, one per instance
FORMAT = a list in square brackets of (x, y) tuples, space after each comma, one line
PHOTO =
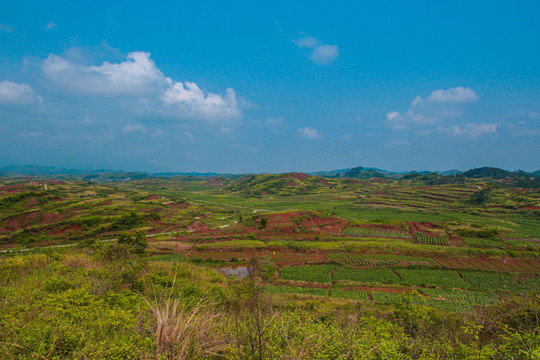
[(370, 172), (356, 172), (89, 174)]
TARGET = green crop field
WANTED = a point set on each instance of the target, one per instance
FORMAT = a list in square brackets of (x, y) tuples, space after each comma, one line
[(315, 273), (354, 295), (377, 231), (295, 290), (428, 277), (385, 276)]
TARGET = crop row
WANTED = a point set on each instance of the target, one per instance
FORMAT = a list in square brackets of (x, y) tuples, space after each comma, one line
[(431, 239), (469, 297), (313, 273), (480, 242), (385, 276), (453, 300), (374, 259), (360, 260), (272, 289), (369, 230), (426, 277)]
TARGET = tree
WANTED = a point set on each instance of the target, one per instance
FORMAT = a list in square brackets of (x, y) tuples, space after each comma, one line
[(135, 242)]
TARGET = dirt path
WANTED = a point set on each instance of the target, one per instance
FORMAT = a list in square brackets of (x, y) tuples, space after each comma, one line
[(68, 245)]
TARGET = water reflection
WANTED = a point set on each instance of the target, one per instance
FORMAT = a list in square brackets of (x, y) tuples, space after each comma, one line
[(240, 271)]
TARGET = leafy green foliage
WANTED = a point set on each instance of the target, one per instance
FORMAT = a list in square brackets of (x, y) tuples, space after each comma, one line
[(128, 221), (135, 242)]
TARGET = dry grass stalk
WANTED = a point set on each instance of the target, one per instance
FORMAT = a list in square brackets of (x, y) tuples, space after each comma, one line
[(185, 331)]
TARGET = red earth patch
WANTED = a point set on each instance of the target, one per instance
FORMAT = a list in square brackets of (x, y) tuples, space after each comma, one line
[(198, 227)]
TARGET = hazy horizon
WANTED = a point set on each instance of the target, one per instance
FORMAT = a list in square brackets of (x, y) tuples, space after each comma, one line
[(90, 169)]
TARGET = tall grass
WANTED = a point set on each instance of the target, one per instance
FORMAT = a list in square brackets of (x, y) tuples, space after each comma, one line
[(186, 330)]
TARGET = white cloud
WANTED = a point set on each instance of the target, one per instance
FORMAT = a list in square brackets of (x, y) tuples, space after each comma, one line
[(307, 42), (139, 128), (346, 137), (324, 54), (188, 100), (321, 54), (139, 77), (456, 95), (15, 93), (392, 115), (309, 133), (439, 105), (50, 26), (136, 75), (473, 130), (187, 137)]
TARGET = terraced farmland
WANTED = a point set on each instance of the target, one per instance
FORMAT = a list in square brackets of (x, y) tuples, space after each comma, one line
[(489, 281), (376, 231), (484, 243), (427, 277), (376, 260), (431, 239), (313, 273), (273, 289), (384, 276)]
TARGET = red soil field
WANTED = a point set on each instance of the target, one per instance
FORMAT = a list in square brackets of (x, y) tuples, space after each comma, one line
[(198, 227), (13, 224), (10, 189), (509, 265), (67, 229), (299, 176)]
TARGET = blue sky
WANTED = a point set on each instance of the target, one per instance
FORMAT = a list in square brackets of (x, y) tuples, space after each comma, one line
[(270, 86)]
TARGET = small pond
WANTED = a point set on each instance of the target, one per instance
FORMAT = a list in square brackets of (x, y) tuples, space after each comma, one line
[(240, 271)]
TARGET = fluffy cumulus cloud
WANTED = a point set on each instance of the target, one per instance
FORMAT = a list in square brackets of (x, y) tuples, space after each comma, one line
[(309, 133), (441, 105), (188, 99), (138, 77), (320, 53), (15, 93), (458, 95)]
